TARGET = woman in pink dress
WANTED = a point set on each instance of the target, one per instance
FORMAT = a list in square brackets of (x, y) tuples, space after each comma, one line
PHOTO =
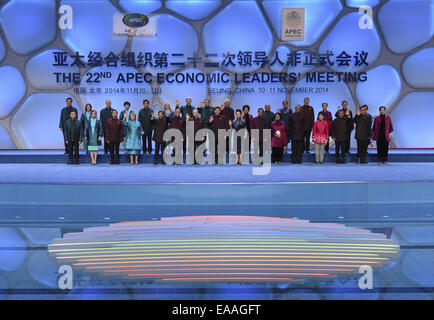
[(320, 136)]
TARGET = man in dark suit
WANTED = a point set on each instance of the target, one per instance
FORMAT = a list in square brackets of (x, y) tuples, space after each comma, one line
[(309, 119), (229, 115), (145, 116), (205, 110), (341, 126), (73, 132), (363, 123), (105, 115), (64, 116), (347, 112), (114, 134), (260, 123), (297, 134), (285, 115), (269, 116), (197, 125), (215, 122), (187, 109), (160, 125), (178, 122)]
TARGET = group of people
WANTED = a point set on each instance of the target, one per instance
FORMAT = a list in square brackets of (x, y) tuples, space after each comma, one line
[(136, 133)]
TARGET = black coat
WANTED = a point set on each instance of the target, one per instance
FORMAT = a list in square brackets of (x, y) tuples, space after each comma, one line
[(73, 131), (206, 112), (341, 128), (105, 115), (145, 119), (363, 127), (219, 122), (197, 124), (161, 125), (269, 116), (260, 123), (309, 117), (296, 126), (64, 115), (187, 109), (228, 113), (178, 123), (351, 116)]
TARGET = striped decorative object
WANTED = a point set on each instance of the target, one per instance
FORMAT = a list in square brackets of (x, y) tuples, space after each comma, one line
[(223, 248)]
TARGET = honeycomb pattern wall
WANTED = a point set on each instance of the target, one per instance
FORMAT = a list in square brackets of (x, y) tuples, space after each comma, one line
[(400, 46)]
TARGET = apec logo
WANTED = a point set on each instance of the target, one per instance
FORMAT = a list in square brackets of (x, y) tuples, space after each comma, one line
[(135, 20)]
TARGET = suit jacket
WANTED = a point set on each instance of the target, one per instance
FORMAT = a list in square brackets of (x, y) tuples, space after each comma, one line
[(145, 115), (197, 123), (64, 115), (260, 123), (178, 123), (269, 116), (73, 131), (114, 131), (351, 127), (297, 126), (105, 115), (309, 117), (228, 113), (219, 122), (363, 127), (206, 112), (160, 125), (285, 115), (341, 128), (187, 109)]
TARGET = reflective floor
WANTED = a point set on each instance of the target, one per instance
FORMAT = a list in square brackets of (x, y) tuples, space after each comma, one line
[(28, 272), (33, 214)]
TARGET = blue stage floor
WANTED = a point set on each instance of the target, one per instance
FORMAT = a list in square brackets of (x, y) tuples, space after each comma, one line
[(148, 173), (57, 156)]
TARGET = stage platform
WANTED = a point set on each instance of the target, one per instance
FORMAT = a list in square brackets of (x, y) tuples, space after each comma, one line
[(57, 156), (84, 194)]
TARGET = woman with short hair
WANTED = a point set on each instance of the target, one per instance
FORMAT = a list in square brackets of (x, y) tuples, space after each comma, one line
[(381, 133), (133, 133)]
